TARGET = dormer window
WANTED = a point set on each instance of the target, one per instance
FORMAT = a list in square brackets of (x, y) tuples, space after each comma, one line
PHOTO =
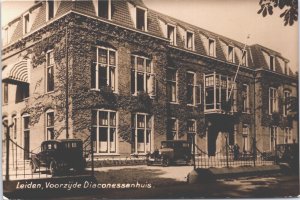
[(26, 23), (230, 54), (104, 8), (141, 19), (286, 69), (211, 47), (190, 40), (50, 9), (244, 60), (272, 63), (171, 34)]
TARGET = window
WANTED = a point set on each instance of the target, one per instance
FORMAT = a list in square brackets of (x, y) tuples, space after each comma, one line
[(104, 8), (286, 69), (245, 96), (230, 54), (287, 136), (103, 73), (189, 40), (50, 125), (104, 131), (50, 9), (244, 60), (211, 47), (286, 103), (272, 63), (191, 128), (246, 137), (141, 19), (5, 93), (273, 137), (142, 76), (233, 97), (50, 72), (26, 24), (173, 129), (273, 100), (15, 126), (171, 34), (172, 85), (141, 133), (26, 135), (193, 90)]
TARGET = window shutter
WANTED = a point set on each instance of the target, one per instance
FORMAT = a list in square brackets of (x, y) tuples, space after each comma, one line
[(198, 94)]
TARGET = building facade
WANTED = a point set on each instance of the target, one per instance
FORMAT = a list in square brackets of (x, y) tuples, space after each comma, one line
[(127, 77)]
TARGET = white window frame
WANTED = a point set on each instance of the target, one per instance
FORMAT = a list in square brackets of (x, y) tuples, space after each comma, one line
[(246, 141), (288, 139), (51, 65), (273, 100), (244, 57), (25, 129), (47, 137), (109, 8), (108, 66), (26, 24), (174, 42), (195, 86), (145, 75), (109, 127), (214, 47), (192, 48), (274, 138), (286, 69), (48, 11), (286, 94), (145, 128), (192, 132), (272, 67), (232, 59), (172, 82), (246, 101), (145, 18)]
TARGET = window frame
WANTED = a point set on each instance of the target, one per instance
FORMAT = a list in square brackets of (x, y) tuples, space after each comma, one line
[(174, 34), (49, 65), (51, 126), (26, 23), (244, 55), (108, 67), (176, 135), (172, 83), (286, 94), (5, 93), (135, 128), (273, 100), (109, 11), (288, 138), (145, 73), (232, 59), (246, 106), (245, 134), (272, 63), (196, 100), (192, 48), (48, 17), (274, 139), (214, 47), (25, 129), (109, 127), (145, 18)]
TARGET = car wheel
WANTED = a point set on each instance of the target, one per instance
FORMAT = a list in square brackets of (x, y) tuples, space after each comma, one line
[(32, 167), (53, 168), (165, 162)]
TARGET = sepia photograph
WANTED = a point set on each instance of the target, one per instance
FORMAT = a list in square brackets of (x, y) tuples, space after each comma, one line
[(149, 99)]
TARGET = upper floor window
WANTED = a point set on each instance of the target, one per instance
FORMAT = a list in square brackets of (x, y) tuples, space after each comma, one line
[(172, 85), (141, 132), (50, 125), (190, 40), (286, 103), (104, 131), (191, 128), (211, 47), (104, 8), (246, 137), (26, 23), (141, 19), (171, 34), (50, 71), (273, 100), (173, 126), (103, 71), (245, 96), (272, 63), (286, 69), (50, 9), (273, 137), (5, 93), (193, 90), (142, 76), (230, 54), (244, 60)]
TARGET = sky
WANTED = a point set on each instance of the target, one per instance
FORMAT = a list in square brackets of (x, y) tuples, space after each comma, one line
[(231, 18)]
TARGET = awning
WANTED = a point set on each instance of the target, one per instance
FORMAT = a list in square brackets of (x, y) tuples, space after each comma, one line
[(17, 72)]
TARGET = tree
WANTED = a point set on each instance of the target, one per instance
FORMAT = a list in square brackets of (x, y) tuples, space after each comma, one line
[(290, 7)]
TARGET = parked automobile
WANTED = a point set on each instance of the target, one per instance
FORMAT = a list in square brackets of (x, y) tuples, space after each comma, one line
[(171, 152), (59, 156)]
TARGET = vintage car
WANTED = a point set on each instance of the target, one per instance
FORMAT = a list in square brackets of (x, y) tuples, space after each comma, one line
[(171, 152), (59, 156)]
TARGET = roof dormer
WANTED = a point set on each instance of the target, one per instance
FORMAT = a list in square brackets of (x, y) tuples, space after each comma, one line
[(139, 16)]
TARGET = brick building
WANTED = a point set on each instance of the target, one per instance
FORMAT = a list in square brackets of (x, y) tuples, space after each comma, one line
[(128, 77)]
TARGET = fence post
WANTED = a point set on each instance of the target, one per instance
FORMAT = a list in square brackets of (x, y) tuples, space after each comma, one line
[(7, 153), (194, 155), (226, 151), (254, 151), (275, 159)]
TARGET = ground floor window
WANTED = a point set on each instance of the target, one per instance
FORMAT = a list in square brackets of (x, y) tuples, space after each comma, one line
[(191, 128), (104, 131), (26, 135), (173, 129), (287, 135), (50, 125), (141, 132), (273, 137), (246, 141)]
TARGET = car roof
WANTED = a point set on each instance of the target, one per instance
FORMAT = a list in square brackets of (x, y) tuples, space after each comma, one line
[(178, 141), (62, 140)]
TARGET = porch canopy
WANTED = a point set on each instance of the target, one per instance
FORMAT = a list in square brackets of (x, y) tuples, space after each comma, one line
[(16, 73)]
